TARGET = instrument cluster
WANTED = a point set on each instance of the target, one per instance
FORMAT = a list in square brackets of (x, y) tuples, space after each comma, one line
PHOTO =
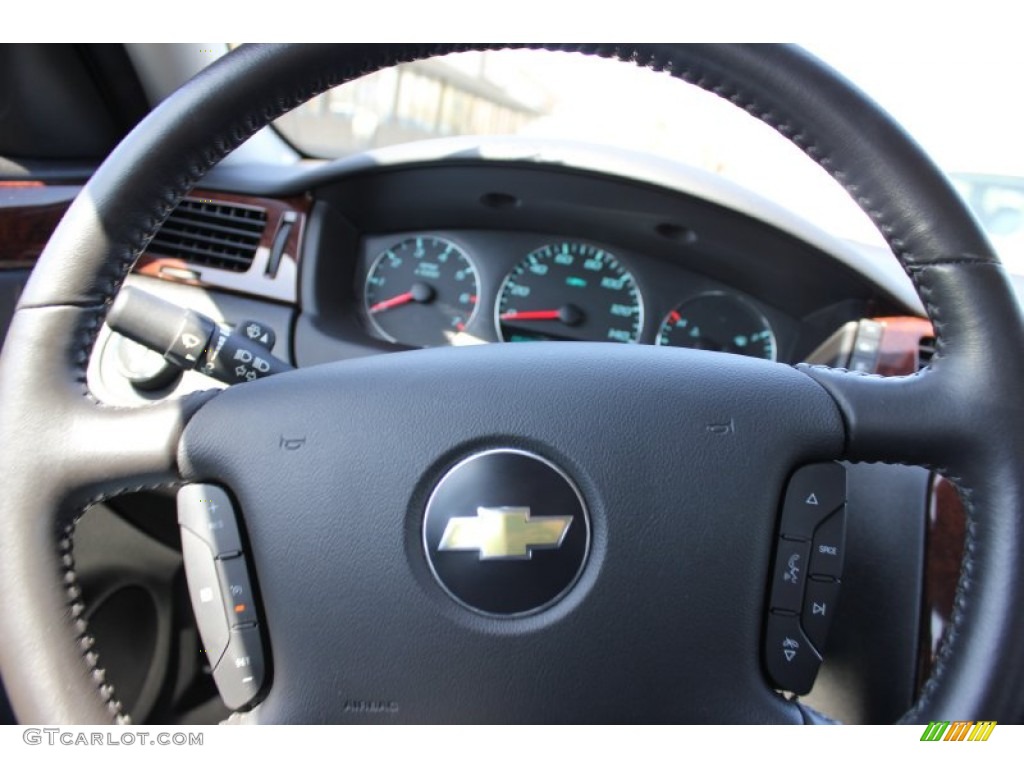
[(464, 287)]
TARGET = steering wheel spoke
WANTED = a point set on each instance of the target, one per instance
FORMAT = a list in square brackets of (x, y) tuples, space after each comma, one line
[(889, 419), (941, 417), (100, 450)]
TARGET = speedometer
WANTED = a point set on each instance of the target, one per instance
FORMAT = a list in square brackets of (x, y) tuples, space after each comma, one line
[(570, 291)]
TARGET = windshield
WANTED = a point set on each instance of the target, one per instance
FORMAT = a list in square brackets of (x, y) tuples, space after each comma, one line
[(964, 122)]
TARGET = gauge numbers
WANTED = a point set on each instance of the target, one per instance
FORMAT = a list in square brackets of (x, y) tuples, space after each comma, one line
[(569, 291), (421, 292), (719, 322)]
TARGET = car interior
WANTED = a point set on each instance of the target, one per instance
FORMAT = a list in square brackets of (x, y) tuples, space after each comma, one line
[(298, 419)]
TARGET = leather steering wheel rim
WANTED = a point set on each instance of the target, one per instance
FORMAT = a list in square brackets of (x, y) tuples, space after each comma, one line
[(958, 416)]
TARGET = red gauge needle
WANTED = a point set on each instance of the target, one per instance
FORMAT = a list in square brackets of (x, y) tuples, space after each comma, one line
[(569, 314), (537, 314), (394, 301), (420, 292)]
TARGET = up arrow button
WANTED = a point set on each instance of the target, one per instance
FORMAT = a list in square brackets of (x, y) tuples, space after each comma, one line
[(814, 492)]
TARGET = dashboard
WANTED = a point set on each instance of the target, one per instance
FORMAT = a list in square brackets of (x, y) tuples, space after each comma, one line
[(455, 243), (465, 250), (449, 244)]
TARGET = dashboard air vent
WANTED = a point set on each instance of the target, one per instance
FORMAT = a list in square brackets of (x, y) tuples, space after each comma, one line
[(211, 234), (925, 351)]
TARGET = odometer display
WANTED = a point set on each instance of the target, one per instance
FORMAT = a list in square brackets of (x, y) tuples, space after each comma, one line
[(570, 291)]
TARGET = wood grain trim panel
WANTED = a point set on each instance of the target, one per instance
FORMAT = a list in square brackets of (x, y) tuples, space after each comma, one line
[(900, 343), (24, 232), (30, 212)]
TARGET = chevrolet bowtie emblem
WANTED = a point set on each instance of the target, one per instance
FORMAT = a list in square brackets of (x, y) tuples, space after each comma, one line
[(504, 533)]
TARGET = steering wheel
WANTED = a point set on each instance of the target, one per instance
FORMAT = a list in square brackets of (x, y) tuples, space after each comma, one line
[(665, 619)]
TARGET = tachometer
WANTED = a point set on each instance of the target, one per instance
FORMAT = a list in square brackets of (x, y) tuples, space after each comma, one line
[(720, 322), (570, 291), (421, 292)]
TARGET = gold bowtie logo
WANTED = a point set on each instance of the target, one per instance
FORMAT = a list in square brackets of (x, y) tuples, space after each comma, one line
[(504, 533)]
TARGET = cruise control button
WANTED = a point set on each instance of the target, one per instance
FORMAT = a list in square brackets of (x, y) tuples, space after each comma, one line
[(791, 561), (239, 675), (813, 493), (206, 510), (828, 547), (792, 662), (819, 608), (238, 599), (204, 591)]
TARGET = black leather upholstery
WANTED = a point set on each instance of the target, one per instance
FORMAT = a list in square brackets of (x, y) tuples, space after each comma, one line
[(959, 417), (962, 415)]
